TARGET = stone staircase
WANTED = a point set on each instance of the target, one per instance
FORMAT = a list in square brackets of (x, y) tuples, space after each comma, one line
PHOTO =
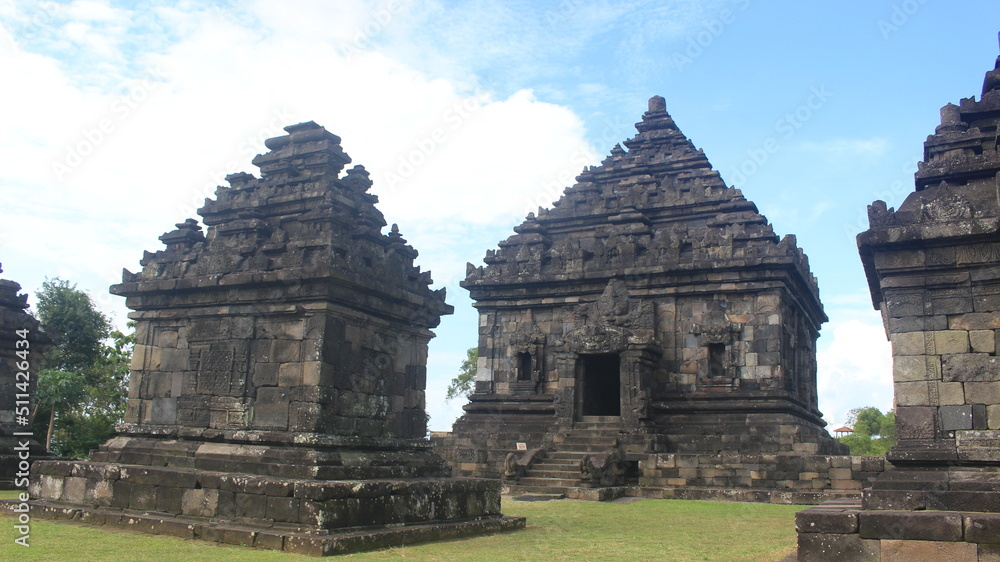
[(558, 472)]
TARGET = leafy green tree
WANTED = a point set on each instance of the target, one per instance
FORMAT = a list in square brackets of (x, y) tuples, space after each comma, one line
[(103, 407), (82, 384), (70, 317), (874, 432), (58, 390), (465, 382)]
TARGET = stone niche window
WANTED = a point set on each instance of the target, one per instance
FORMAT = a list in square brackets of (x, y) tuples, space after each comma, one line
[(716, 359), (524, 366), (686, 253)]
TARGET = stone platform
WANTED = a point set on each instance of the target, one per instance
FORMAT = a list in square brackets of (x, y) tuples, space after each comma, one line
[(313, 517), (841, 530)]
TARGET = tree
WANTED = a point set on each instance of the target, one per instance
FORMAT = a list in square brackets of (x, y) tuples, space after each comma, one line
[(70, 317), (57, 390), (464, 383), (82, 384), (874, 432), (94, 419)]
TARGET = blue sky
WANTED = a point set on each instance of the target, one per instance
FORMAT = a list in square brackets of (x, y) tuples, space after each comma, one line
[(121, 117)]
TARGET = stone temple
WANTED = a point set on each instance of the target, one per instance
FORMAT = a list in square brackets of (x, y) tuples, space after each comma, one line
[(933, 268), (21, 342), (651, 310), (277, 388)]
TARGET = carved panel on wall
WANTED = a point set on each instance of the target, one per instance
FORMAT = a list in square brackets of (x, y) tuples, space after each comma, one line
[(613, 322), (222, 372)]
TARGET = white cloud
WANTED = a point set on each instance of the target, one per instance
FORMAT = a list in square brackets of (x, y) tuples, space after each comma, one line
[(855, 366), (483, 163), (95, 169)]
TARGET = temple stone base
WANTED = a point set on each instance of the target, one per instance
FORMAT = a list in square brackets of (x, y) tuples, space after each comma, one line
[(784, 478), (841, 530), (779, 479), (307, 516), (311, 543), (728, 456), (13, 464)]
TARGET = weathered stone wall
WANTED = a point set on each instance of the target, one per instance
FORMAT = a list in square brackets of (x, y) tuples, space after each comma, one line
[(770, 345), (796, 479), (260, 368)]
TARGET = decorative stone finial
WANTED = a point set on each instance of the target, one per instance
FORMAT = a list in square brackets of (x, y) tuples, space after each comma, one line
[(951, 120), (992, 81), (657, 104)]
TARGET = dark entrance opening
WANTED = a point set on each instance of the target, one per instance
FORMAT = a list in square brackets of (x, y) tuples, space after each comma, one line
[(716, 359), (524, 366), (601, 382)]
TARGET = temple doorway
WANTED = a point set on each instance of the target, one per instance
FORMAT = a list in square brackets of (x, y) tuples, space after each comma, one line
[(600, 381)]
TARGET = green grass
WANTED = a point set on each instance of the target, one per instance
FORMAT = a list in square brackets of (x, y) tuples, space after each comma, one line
[(560, 530)]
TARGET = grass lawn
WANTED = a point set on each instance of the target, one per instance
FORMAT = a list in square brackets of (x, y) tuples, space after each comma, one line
[(561, 530)]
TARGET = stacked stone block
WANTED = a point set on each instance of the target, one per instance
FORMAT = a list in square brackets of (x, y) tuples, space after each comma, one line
[(796, 479)]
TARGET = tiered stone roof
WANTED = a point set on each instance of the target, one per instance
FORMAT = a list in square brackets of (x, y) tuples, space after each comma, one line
[(657, 209)]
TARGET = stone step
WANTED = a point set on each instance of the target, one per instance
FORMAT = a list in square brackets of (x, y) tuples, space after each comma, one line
[(560, 458), (566, 466), (561, 474), (609, 427), (517, 490), (534, 496), (573, 439), (600, 419), (582, 450), (549, 482), (567, 455)]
